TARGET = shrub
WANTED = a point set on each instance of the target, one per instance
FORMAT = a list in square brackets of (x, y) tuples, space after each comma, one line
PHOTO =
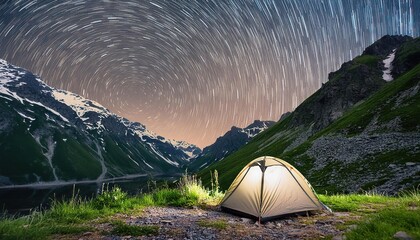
[(192, 189), (167, 196), (113, 198)]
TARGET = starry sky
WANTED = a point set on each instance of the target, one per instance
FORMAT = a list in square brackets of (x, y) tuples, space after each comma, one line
[(190, 70)]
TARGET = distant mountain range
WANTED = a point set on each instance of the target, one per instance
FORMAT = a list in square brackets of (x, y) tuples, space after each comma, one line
[(49, 135), (231, 141), (359, 132), (52, 135)]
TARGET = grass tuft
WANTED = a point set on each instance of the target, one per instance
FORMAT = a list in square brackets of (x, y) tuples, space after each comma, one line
[(217, 224), (123, 229), (351, 202)]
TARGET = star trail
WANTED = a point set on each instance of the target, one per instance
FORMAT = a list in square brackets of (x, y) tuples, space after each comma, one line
[(189, 70)]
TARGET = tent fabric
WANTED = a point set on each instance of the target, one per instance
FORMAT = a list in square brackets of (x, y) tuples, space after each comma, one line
[(268, 187)]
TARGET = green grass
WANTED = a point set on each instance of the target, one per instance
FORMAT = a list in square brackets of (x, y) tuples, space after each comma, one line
[(369, 60), (353, 202), (381, 216), (38, 226), (216, 224), (386, 223), (122, 229), (74, 160)]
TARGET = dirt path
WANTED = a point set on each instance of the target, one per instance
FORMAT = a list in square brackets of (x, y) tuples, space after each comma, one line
[(182, 223)]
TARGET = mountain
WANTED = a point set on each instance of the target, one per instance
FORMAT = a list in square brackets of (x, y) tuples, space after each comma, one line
[(231, 141), (50, 135), (360, 131)]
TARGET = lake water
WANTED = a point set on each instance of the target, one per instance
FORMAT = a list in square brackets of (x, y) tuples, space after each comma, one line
[(22, 200)]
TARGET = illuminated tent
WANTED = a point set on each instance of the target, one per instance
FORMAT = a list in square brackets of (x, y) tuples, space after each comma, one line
[(267, 188)]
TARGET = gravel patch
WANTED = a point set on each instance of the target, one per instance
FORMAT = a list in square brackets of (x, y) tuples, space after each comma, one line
[(184, 223)]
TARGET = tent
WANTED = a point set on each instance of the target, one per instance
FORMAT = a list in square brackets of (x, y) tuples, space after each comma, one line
[(267, 188)]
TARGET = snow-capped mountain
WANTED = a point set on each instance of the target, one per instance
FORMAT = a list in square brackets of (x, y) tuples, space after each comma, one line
[(231, 141), (47, 134)]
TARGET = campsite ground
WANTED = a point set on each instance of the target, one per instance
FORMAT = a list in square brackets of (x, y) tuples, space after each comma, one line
[(197, 223)]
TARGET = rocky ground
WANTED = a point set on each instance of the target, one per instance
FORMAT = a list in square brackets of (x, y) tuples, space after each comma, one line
[(181, 223)]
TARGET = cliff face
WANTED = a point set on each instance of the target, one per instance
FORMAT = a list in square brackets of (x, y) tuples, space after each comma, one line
[(354, 81)]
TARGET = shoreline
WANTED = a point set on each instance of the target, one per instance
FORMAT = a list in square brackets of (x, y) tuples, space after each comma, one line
[(41, 185)]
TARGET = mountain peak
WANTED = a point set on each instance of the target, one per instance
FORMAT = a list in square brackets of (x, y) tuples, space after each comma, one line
[(385, 45), (231, 141), (260, 124)]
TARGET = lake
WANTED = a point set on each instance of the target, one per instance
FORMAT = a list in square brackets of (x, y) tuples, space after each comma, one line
[(22, 200)]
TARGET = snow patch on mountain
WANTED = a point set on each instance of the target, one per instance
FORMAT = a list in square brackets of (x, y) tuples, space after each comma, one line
[(160, 155), (49, 109), (388, 66), (79, 104), (147, 164), (25, 116), (51, 144)]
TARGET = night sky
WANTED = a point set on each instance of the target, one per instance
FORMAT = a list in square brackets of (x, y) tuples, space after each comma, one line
[(190, 70)]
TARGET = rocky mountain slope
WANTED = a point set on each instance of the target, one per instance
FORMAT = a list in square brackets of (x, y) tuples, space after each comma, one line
[(359, 131), (231, 141), (50, 135)]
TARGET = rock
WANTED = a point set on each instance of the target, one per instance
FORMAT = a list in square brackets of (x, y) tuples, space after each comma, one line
[(392, 165), (324, 222), (297, 232), (87, 233), (246, 220), (351, 227), (410, 164), (341, 214), (288, 221), (164, 221), (269, 225), (402, 235)]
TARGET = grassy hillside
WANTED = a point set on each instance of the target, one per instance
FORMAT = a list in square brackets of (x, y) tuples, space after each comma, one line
[(397, 101)]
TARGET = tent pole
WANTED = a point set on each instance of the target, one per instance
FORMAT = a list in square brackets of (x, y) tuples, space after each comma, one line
[(261, 197), (262, 189)]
